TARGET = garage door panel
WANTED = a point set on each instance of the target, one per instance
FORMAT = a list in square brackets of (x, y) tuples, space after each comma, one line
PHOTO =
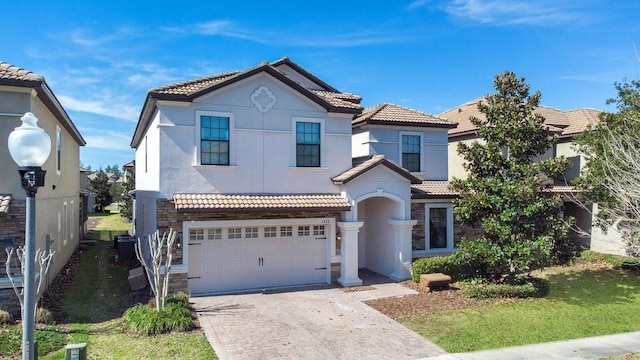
[(262, 257)]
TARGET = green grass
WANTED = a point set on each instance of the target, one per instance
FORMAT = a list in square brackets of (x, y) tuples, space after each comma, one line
[(109, 224), (94, 305), (582, 302)]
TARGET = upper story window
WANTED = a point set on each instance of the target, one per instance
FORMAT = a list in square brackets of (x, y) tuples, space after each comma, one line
[(58, 149), (307, 144), (410, 147), (214, 140)]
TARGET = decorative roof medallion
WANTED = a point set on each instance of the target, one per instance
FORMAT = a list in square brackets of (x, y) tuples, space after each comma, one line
[(263, 99)]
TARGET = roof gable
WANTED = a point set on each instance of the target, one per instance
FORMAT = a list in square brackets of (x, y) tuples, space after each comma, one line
[(328, 98), (368, 164)]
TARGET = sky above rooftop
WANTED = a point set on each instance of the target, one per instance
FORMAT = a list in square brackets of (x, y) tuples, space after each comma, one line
[(101, 58)]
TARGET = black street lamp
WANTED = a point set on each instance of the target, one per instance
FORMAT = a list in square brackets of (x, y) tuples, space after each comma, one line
[(29, 146)]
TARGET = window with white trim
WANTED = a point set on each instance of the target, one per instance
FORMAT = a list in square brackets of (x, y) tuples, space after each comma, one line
[(410, 148), (270, 231), (235, 233), (251, 232), (214, 234), (438, 229), (196, 234), (304, 230), (286, 231), (318, 230)]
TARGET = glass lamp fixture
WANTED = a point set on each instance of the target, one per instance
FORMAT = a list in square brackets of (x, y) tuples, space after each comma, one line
[(28, 144)]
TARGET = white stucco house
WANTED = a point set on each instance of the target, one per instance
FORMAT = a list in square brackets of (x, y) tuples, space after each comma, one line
[(257, 172)]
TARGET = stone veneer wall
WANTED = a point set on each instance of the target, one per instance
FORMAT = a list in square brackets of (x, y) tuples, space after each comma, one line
[(12, 227), (169, 218), (459, 231)]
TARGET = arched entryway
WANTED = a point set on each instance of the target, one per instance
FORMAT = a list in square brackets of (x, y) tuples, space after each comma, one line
[(376, 236)]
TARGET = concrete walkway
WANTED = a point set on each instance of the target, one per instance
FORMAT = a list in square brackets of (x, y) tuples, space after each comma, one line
[(588, 348), (315, 323)]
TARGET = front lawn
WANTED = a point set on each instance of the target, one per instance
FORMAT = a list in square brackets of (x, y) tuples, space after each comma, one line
[(586, 299)]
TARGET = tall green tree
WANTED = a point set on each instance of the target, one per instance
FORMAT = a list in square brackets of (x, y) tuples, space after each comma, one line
[(505, 187), (100, 185), (126, 209), (611, 176)]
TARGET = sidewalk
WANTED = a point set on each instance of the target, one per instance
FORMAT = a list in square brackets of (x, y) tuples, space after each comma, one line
[(588, 348)]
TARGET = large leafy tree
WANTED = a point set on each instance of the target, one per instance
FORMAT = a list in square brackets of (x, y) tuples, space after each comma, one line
[(100, 185), (505, 190), (611, 176), (126, 209)]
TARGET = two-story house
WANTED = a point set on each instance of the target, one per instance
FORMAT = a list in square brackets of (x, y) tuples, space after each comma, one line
[(58, 202), (254, 171), (566, 124)]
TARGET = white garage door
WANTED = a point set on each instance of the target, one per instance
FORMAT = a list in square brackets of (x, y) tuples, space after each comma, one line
[(226, 256)]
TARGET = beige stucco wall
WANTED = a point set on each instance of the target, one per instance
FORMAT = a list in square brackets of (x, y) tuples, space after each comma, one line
[(57, 203)]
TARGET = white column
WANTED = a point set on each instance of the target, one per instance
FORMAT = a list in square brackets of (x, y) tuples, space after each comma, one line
[(349, 253), (403, 252)]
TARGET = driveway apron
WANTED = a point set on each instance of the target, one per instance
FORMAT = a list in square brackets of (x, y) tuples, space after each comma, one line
[(312, 323)]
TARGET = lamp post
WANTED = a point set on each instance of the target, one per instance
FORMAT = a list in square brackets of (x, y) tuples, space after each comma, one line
[(29, 147)]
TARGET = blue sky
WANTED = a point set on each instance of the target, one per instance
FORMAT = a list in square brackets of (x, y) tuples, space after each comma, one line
[(101, 58)]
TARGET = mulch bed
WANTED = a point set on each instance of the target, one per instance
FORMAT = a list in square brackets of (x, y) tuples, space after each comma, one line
[(448, 299)]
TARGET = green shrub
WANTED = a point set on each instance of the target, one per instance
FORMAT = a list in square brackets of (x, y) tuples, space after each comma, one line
[(526, 288), (44, 316), (450, 265), (179, 298), (49, 339), (175, 316), (5, 317), (436, 264)]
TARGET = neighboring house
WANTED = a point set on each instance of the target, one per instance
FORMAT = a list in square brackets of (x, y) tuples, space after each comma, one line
[(567, 124), (58, 202), (253, 169), (87, 200), (127, 169)]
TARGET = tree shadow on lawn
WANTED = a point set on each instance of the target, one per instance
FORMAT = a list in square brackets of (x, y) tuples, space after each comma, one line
[(595, 287)]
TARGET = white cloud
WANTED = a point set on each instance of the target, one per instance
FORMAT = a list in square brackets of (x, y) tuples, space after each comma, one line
[(109, 140), (308, 37), (516, 12), (107, 107), (417, 4)]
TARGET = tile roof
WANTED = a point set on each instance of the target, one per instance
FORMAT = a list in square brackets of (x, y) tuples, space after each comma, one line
[(5, 202), (11, 75), (567, 123), (362, 165), (11, 72), (321, 93), (580, 120), (337, 99), (432, 189), (193, 86), (259, 202), (392, 114)]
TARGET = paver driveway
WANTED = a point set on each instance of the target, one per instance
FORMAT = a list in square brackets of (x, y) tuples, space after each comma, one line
[(312, 323)]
